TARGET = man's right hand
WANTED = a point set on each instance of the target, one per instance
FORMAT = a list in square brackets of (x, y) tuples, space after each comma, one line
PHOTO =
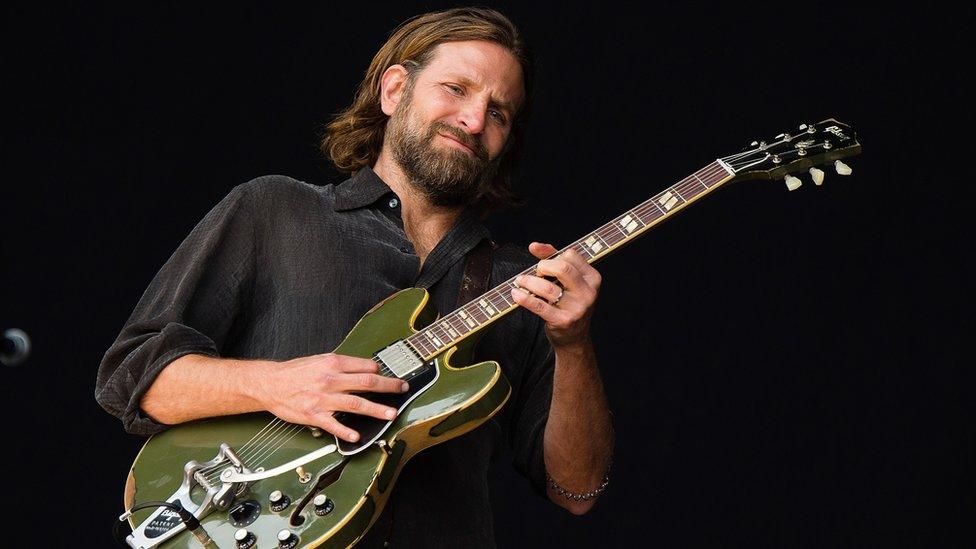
[(306, 390), (309, 390)]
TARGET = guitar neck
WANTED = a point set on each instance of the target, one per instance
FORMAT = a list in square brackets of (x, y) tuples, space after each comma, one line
[(452, 328)]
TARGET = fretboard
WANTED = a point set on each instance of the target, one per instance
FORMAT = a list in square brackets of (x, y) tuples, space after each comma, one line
[(450, 329)]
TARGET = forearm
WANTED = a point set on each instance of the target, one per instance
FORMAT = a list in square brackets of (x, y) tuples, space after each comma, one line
[(578, 440), (197, 386)]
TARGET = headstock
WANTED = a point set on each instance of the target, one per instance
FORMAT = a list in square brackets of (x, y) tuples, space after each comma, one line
[(813, 145)]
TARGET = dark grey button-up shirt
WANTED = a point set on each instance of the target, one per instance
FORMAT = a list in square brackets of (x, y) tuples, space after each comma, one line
[(281, 269)]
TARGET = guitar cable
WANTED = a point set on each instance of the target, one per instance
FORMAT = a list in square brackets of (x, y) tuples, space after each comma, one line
[(191, 522)]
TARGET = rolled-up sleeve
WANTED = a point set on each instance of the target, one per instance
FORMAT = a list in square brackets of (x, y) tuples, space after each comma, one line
[(189, 307)]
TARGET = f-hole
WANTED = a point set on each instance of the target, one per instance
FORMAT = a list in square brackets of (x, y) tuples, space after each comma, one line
[(325, 480)]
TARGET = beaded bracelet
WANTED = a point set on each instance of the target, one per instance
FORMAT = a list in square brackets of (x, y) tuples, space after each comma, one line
[(580, 497)]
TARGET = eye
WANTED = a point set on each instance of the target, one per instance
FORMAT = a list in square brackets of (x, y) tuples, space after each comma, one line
[(455, 89), (497, 115)]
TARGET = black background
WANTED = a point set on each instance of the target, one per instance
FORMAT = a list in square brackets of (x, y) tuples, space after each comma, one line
[(785, 369)]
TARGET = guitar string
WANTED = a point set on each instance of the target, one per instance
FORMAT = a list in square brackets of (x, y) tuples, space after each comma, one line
[(268, 433), (260, 452)]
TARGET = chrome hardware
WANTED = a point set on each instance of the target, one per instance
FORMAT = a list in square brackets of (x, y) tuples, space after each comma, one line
[(230, 475), (400, 359)]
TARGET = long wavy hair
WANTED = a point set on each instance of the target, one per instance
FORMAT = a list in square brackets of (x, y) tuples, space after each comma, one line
[(354, 138)]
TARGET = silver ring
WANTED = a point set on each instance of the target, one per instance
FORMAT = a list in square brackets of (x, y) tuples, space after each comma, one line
[(558, 297)]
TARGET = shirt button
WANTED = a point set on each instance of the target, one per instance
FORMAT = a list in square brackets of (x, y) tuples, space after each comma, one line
[(394, 203)]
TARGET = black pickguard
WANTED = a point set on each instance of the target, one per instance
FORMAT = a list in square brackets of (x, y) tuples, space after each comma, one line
[(371, 427)]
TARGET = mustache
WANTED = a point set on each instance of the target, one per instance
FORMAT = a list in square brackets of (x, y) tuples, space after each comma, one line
[(468, 140)]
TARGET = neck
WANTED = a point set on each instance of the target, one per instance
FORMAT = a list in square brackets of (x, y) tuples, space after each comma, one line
[(424, 223)]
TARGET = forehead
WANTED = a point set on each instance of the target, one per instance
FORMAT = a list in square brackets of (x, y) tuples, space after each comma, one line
[(484, 64)]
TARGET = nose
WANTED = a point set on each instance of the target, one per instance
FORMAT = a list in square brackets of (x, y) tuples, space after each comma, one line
[(471, 117)]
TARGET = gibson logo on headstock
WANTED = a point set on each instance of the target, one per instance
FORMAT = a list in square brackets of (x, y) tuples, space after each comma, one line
[(836, 131)]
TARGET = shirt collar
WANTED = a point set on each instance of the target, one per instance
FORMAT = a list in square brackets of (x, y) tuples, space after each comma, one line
[(360, 190)]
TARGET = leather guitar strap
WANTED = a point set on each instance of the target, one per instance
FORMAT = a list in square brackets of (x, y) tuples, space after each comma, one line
[(477, 272)]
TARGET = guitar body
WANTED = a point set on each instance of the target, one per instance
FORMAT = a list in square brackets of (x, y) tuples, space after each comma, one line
[(358, 486)]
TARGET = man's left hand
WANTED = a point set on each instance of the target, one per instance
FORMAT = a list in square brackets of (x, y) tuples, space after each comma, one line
[(567, 309)]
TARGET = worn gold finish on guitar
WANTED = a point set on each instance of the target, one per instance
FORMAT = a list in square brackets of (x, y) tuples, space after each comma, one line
[(459, 400)]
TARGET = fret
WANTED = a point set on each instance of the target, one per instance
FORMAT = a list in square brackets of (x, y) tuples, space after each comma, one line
[(467, 318), (434, 339), (667, 200), (583, 250), (700, 181), (595, 243), (504, 295), (451, 332), (654, 202), (631, 222), (417, 345), (457, 324), (486, 308), (612, 238)]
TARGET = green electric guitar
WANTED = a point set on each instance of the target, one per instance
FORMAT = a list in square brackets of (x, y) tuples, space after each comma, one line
[(256, 481)]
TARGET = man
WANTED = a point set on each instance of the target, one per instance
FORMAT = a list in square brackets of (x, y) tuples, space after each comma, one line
[(241, 317)]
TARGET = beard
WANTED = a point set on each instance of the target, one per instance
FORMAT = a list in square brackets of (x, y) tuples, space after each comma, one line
[(446, 176)]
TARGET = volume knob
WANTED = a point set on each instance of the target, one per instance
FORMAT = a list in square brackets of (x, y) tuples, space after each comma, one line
[(244, 539), (287, 540), (323, 505), (278, 501)]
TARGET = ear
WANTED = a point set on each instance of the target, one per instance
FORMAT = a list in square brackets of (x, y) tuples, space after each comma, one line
[(392, 84)]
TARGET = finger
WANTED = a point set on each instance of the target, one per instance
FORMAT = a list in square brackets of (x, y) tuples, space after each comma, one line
[(329, 423), (540, 287), (589, 273), (352, 364), (542, 308), (567, 273), (358, 405), (365, 382), (542, 250)]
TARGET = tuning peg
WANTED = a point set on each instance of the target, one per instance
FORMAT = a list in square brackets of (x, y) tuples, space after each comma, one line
[(802, 127), (793, 183), (842, 169), (817, 175)]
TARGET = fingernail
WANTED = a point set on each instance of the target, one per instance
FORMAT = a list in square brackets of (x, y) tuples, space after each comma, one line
[(390, 414), (405, 387), (520, 280), (353, 437), (518, 294)]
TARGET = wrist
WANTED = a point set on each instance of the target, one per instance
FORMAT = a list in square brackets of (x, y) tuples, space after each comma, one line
[(255, 377)]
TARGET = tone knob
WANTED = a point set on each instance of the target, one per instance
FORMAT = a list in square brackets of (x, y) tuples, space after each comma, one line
[(287, 540), (323, 505), (279, 501), (244, 539)]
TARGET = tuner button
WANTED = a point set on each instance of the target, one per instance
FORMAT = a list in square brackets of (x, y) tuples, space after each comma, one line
[(817, 175), (287, 540), (842, 169), (793, 183), (244, 539), (802, 127)]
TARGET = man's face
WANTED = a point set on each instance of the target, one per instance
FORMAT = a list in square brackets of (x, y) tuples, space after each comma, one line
[(450, 128)]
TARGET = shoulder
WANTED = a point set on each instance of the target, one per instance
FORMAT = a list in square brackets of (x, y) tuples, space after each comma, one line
[(274, 196), (272, 189)]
